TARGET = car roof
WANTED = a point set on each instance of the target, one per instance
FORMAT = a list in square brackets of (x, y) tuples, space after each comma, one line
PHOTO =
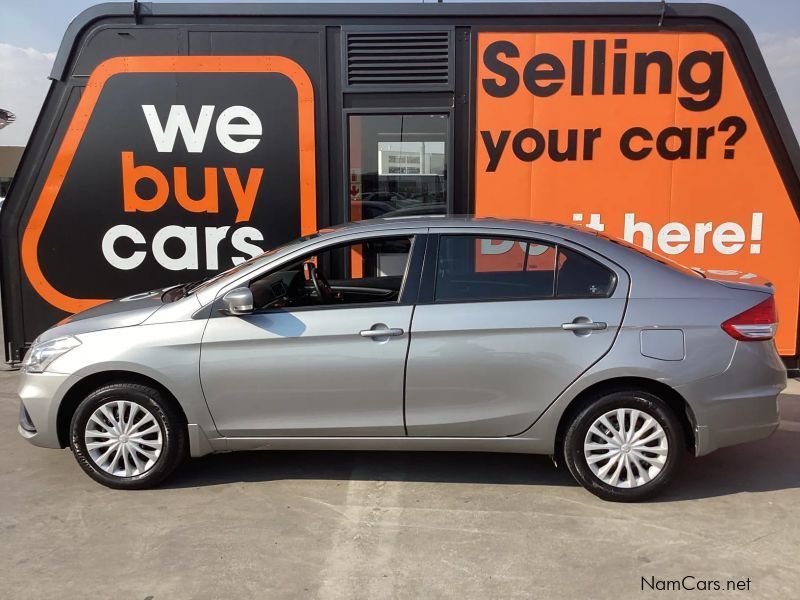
[(465, 221), (608, 247), (640, 264)]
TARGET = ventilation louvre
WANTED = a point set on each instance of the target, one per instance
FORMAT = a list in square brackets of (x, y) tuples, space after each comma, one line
[(398, 58)]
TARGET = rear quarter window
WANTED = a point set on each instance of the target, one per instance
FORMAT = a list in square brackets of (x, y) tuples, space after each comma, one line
[(579, 276)]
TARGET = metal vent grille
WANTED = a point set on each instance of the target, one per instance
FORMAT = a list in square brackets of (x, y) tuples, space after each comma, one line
[(414, 58)]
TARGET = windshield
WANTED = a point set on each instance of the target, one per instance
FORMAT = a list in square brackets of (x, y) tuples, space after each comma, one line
[(243, 265), (193, 287)]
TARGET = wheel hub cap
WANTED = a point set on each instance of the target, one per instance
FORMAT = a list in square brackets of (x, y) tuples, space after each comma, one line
[(626, 448), (123, 438)]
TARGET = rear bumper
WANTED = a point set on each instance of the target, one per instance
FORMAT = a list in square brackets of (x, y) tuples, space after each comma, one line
[(741, 404), (707, 440)]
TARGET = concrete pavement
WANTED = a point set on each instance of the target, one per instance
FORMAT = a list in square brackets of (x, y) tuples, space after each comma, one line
[(402, 525)]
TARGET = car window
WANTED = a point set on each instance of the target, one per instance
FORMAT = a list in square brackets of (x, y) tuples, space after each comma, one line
[(203, 284), (474, 268), (581, 277), (361, 272)]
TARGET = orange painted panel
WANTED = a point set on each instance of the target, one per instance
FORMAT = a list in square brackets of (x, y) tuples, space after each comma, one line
[(648, 137), (163, 64)]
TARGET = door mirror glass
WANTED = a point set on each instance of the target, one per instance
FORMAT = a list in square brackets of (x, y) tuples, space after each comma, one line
[(238, 302)]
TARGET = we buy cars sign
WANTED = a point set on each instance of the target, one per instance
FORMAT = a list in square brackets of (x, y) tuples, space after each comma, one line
[(650, 137), (172, 168)]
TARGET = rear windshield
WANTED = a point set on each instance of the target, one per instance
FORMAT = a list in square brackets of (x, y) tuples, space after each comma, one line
[(653, 256)]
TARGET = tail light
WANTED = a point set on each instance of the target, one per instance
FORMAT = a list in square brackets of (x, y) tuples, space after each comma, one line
[(755, 324)]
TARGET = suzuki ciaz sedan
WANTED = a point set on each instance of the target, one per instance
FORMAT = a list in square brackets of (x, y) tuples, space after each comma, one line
[(419, 334)]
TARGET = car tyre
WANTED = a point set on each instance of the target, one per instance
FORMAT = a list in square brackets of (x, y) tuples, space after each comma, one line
[(643, 454), (128, 436)]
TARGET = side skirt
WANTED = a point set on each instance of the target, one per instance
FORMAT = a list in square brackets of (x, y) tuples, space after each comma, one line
[(201, 445)]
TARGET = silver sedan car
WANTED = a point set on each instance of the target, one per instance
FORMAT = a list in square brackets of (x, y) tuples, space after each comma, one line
[(419, 334)]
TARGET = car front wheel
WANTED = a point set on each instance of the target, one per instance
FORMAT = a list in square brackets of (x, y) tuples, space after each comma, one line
[(127, 436), (624, 446)]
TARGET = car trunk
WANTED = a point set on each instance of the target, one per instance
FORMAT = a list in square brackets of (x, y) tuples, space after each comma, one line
[(738, 280)]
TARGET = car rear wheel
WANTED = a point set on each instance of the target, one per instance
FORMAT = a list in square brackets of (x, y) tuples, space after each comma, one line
[(624, 446), (127, 436)]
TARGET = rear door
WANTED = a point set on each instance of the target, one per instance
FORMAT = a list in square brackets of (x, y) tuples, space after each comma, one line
[(505, 323)]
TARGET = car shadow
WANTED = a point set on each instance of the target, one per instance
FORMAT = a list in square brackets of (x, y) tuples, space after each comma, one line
[(762, 466), (439, 467)]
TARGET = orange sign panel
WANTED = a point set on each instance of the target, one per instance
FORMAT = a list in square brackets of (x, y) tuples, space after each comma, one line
[(649, 137), (243, 190)]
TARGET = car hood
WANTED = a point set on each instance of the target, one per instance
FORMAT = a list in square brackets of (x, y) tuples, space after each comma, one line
[(123, 312)]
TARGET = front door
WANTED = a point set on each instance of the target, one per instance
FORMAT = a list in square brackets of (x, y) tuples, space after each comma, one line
[(324, 352), (489, 350)]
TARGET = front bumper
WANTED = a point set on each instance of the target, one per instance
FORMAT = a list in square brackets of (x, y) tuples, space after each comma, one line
[(41, 394)]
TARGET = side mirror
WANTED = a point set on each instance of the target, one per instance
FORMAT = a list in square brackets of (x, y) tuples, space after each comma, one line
[(238, 302)]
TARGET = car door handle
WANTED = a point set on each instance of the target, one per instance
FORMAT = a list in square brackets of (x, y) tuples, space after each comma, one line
[(584, 326), (382, 332)]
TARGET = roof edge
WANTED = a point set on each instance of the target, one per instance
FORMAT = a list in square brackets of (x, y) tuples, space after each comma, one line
[(355, 9)]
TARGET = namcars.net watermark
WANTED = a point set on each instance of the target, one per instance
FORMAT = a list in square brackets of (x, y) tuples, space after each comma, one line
[(691, 583)]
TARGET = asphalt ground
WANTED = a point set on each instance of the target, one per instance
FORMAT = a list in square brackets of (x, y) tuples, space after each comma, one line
[(396, 525)]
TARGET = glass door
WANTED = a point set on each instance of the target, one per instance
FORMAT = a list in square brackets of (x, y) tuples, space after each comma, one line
[(397, 165)]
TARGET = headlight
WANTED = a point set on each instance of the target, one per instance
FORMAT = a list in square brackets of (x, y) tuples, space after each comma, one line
[(42, 354)]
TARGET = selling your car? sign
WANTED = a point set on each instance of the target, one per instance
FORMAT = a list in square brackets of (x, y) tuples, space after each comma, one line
[(648, 137)]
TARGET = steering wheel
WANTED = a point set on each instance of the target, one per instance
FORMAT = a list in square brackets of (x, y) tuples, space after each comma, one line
[(321, 286)]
